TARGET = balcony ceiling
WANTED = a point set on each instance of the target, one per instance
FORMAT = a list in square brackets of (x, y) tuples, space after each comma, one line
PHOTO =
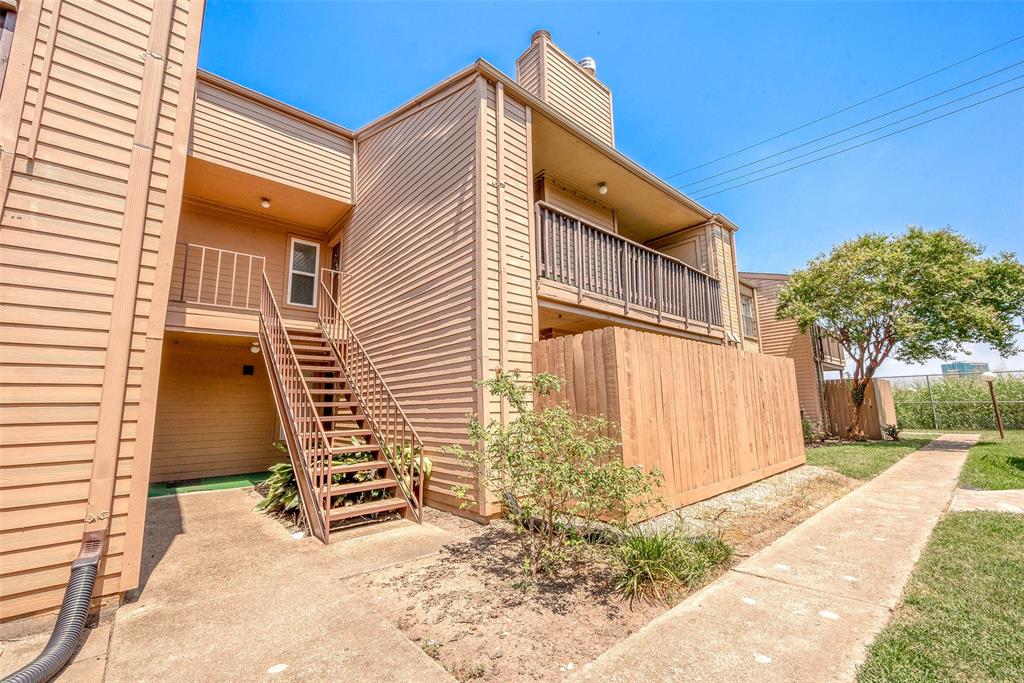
[(645, 211), (238, 190)]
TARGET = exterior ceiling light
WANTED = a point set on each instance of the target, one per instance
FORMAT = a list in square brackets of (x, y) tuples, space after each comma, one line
[(265, 202), (254, 347), (602, 187)]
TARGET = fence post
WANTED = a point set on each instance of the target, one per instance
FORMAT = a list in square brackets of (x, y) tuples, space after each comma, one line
[(931, 402)]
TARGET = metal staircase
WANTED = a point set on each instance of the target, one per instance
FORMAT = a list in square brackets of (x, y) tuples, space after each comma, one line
[(353, 451)]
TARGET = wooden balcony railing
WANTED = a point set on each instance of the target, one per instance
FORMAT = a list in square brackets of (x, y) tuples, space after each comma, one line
[(595, 261), (826, 347), (397, 438), (216, 277)]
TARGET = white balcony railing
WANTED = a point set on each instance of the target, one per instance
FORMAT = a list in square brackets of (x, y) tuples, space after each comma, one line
[(216, 277)]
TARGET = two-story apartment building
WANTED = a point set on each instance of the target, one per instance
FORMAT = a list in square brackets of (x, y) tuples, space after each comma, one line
[(192, 271), (813, 352)]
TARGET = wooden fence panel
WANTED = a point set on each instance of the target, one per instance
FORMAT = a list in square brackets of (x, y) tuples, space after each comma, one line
[(710, 418), (878, 409)]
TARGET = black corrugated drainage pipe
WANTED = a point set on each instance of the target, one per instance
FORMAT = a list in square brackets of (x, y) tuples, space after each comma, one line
[(74, 611)]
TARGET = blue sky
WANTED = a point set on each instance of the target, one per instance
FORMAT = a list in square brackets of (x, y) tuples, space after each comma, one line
[(694, 81)]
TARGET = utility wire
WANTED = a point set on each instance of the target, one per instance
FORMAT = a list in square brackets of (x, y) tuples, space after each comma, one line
[(866, 142), (858, 135), (856, 125), (848, 108)]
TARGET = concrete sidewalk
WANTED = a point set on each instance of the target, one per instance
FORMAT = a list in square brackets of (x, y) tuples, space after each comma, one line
[(806, 607), (229, 595)]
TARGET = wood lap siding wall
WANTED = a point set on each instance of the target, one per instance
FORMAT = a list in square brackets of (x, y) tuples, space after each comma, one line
[(253, 138), (783, 338), (710, 418), (409, 251), (213, 419), (87, 202)]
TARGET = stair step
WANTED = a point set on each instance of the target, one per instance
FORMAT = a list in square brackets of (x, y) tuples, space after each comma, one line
[(340, 418), (304, 331), (323, 380), (342, 433), (329, 392), (312, 356), (382, 505), (311, 347), (319, 368), (356, 487), (335, 404), (361, 448), (359, 467)]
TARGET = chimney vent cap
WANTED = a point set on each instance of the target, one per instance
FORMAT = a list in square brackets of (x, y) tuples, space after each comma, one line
[(589, 65), (542, 33)]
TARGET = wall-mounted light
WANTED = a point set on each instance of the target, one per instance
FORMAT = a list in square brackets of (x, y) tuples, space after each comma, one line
[(602, 188), (254, 347), (265, 203)]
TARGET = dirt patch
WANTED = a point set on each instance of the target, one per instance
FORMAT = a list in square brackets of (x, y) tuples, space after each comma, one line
[(753, 516), (466, 607)]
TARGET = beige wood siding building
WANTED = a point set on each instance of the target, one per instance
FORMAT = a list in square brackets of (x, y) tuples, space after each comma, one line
[(145, 204), (94, 143), (783, 338), (554, 77)]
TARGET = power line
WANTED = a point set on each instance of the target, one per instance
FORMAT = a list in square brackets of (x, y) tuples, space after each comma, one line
[(861, 144), (858, 135), (856, 125), (848, 108)]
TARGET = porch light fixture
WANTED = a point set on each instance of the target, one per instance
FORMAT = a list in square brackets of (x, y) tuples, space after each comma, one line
[(991, 377), (265, 202), (254, 347), (602, 187)]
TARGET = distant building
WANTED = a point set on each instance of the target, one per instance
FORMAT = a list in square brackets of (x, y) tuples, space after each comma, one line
[(963, 368)]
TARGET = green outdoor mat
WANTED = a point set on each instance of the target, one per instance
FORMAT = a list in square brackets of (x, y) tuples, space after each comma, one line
[(231, 481)]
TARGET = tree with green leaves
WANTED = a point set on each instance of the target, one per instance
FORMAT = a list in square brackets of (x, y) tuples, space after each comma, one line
[(915, 296)]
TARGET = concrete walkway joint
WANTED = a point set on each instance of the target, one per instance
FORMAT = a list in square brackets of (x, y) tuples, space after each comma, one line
[(806, 607)]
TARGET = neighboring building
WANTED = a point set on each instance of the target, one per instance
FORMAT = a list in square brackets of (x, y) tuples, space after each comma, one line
[(962, 367), (171, 242), (813, 352)]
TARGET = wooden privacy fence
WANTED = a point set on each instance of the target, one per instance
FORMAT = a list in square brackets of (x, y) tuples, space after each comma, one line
[(878, 409), (711, 418)]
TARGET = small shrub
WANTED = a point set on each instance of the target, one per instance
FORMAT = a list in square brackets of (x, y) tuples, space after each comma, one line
[(656, 566), (557, 474), (812, 431), (892, 431)]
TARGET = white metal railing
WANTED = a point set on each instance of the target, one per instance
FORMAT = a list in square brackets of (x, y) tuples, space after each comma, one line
[(216, 277)]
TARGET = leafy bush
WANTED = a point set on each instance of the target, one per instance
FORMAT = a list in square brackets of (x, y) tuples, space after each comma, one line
[(655, 566), (892, 431), (959, 403), (812, 431), (557, 474), (282, 491)]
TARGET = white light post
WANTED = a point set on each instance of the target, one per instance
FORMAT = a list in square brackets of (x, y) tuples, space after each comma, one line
[(991, 377)]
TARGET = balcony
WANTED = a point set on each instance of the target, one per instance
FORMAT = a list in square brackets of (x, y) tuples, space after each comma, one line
[(214, 290), (582, 264), (827, 350)]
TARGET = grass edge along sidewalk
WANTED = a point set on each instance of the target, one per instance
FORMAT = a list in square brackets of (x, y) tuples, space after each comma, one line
[(864, 460), (961, 617)]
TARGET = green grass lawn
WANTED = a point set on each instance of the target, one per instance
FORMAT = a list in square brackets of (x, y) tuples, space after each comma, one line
[(994, 465), (963, 613), (863, 460)]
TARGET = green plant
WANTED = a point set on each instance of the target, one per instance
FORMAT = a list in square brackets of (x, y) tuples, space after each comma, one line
[(916, 296), (958, 402), (812, 432), (282, 491), (656, 566), (557, 474), (892, 431)]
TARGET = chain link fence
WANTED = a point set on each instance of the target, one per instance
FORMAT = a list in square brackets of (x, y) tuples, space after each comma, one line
[(959, 401)]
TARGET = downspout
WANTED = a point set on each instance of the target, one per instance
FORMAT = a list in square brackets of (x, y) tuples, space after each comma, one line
[(74, 610)]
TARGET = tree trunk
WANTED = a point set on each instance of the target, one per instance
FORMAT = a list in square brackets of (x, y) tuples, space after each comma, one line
[(857, 390)]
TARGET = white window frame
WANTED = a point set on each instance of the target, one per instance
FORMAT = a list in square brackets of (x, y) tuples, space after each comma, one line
[(291, 271)]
